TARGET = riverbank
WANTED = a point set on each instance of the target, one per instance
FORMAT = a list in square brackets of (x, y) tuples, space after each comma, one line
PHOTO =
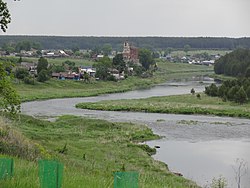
[(178, 104), (69, 88), (91, 151)]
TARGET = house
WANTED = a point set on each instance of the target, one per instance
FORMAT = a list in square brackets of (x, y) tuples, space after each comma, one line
[(66, 75), (54, 53), (31, 67), (208, 63), (91, 71)]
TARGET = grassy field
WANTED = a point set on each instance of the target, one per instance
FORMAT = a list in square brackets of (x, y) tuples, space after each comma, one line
[(55, 61), (93, 151), (181, 53), (68, 88), (180, 104)]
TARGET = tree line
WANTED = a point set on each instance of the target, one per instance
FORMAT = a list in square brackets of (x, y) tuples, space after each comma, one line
[(236, 90), (152, 43), (236, 63)]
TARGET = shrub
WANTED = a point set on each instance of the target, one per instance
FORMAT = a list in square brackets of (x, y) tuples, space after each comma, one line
[(29, 80), (42, 76), (21, 73), (192, 91)]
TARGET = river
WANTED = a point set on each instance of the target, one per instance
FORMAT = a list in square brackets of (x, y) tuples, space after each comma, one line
[(200, 147)]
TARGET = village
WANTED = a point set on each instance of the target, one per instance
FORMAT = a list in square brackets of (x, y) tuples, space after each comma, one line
[(130, 61)]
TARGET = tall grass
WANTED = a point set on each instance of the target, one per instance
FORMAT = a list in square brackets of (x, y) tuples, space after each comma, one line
[(95, 149)]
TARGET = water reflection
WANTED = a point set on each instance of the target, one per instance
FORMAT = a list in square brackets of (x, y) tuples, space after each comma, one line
[(203, 161)]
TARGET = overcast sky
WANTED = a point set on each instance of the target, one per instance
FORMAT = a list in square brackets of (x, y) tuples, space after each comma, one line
[(215, 18)]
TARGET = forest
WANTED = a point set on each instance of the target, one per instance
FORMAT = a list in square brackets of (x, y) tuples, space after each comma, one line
[(236, 63), (152, 43)]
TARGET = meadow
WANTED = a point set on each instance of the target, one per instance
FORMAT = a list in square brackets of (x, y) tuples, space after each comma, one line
[(91, 151), (179, 104)]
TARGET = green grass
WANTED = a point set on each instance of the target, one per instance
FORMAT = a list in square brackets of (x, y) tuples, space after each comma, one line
[(68, 88), (180, 104), (95, 150), (55, 61), (191, 52)]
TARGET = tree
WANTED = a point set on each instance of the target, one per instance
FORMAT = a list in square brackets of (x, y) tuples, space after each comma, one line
[(192, 91), (240, 96), (107, 48), (247, 74), (5, 18), (42, 76), (212, 90), (9, 99), (219, 183), (168, 51), (86, 77), (240, 170), (21, 73), (103, 67), (146, 58), (187, 48), (118, 63), (42, 64)]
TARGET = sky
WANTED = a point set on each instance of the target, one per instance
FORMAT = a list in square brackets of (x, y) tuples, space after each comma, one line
[(169, 18)]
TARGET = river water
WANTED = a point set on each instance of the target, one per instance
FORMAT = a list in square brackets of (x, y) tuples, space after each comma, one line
[(200, 147)]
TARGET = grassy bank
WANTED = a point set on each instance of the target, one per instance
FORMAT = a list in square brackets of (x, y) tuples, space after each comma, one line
[(181, 104), (68, 88), (93, 151)]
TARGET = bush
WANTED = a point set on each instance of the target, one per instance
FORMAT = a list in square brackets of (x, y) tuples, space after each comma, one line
[(21, 73), (29, 80), (42, 76), (192, 91)]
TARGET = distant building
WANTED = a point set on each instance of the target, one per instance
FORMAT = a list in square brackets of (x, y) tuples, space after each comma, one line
[(130, 53)]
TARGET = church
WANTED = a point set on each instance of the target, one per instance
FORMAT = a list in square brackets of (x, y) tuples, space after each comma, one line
[(130, 53)]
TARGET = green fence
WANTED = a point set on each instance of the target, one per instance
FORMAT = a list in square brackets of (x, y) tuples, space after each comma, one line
[(50, 174), (126, 180), (6, 168)]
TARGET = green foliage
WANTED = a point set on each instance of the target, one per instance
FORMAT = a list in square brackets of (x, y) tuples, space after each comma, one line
[(57, 68), (22, 45), (221, 182), (63, 42), (107, 48), (186, 48), (5, 16), (106, 147), (9, 99), (192, 91), (211, 90), (14, 143), (235, 63), (181, 104), (118, 63), (42, 76), (103, 67), (247, 74), (21, 73), (42, 64), (198, 96), (146, 58), (240, 96), (29, 80), (233, 90)]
